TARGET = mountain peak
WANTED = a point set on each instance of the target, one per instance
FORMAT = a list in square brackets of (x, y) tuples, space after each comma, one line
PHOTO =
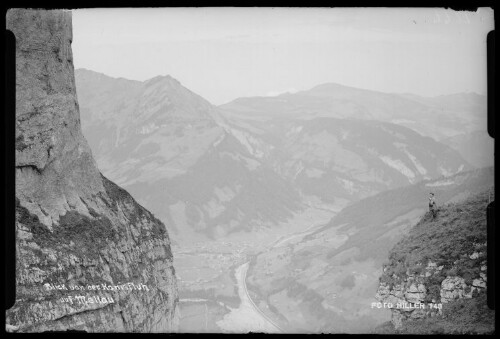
[(329, 85), (333, 86), (167, 79)]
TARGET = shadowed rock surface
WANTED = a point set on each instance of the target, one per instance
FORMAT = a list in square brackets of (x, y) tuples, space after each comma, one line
[(74, 226)]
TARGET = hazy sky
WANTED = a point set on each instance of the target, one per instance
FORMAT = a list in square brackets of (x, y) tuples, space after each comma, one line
[(225, 53)]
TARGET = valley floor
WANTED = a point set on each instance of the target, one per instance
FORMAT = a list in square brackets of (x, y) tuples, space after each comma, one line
[(212, 277), (247, 317)]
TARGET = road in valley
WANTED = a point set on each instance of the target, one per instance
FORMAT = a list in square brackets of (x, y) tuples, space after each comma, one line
[(247, 317), (244, 282)]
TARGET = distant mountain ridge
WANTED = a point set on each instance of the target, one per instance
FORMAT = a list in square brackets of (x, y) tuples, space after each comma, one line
[(348, 159), (437, 117), (477, 147)]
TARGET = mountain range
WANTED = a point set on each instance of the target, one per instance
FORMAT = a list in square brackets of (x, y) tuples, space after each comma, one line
[(251, 163), (437, 117), (163, 144)]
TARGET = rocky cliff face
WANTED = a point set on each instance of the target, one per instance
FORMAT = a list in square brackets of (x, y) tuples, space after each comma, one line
[(439, 265), (408, 296), (88, 256)]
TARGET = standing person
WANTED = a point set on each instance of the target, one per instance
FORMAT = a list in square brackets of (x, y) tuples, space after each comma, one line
[(432, 205)]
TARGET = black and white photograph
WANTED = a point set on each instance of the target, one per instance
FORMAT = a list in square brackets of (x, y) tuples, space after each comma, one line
[(277, 170)]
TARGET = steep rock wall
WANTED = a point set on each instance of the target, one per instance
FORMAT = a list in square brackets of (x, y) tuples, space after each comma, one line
[(74, 226)]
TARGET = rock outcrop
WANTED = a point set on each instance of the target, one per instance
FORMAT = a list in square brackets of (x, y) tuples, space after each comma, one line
[(88, 256), (410, 299), (440, 264)]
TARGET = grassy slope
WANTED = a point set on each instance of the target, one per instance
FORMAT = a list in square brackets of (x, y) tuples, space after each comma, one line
[(457, 231), (366, 217), (367, 248)]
